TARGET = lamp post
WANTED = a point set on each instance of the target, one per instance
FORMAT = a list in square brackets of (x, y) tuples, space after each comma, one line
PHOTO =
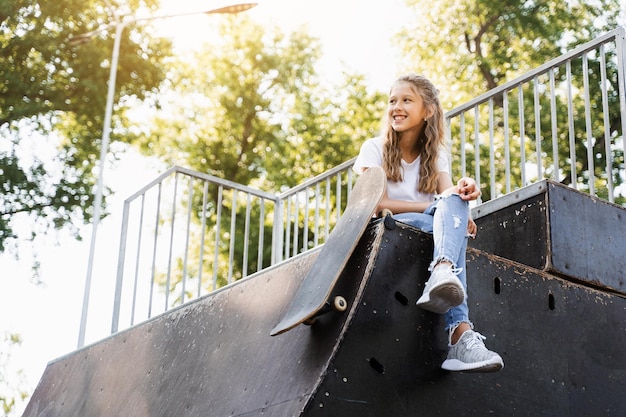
[(120, 25)]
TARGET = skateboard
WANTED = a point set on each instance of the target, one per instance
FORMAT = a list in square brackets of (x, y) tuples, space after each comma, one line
[(315, 295)]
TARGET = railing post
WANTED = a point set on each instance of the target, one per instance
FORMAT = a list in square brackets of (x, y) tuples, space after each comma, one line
[(620, 44), (121, 259), (277, 232)]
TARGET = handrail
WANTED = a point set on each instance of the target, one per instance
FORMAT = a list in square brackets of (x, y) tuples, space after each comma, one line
[(618, 33), (594, 123), (319, 178), (235, 207)]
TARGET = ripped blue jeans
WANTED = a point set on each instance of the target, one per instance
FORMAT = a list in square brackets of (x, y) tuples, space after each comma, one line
[(446, 219)]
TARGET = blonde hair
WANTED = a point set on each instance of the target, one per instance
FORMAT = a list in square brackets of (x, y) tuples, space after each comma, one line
[(429, 144)]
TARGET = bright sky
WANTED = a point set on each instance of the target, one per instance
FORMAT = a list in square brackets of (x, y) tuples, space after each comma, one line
[(355, 33), (355, 36)]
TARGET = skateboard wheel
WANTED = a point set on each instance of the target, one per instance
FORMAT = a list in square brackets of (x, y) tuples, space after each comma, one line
[(340, 303), (387, 212)]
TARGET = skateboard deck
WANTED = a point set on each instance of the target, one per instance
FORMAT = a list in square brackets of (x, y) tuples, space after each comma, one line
[(313, 296)]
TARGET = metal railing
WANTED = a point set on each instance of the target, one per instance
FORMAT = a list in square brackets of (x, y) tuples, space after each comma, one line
[(564, 121), (310, 210), (186, 233)]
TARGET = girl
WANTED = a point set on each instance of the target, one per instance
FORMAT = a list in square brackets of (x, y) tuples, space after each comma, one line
[(420, 192)]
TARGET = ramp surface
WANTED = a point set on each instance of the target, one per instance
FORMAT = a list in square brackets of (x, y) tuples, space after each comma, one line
[(211, 358), (562, 343)]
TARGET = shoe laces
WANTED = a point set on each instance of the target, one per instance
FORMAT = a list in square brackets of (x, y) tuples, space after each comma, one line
[(475, 341)]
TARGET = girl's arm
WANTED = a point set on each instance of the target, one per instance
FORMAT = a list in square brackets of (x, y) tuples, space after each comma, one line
[(466, 188), (401, 206)]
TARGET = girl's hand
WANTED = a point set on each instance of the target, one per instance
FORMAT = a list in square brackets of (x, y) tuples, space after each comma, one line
[(467, 189), (471, 228)]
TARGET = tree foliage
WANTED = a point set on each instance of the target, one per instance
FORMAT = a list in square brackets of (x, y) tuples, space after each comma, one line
[(252, 110), (53, 91), (12, 382), (471, 46), (468, 47)]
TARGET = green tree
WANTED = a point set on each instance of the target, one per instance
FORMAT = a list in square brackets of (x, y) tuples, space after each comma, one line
[(12, 383), (329, 125), (471, 46), (55, 91), (252, 110), (468, 47)]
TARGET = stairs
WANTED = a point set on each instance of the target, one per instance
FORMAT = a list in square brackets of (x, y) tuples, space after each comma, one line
[(546, 286)]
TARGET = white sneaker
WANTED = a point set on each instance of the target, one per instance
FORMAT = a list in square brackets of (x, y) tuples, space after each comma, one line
[(469, 354), (443, 290)]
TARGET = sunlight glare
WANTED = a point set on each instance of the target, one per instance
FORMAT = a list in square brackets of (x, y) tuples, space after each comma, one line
[(355, 34)]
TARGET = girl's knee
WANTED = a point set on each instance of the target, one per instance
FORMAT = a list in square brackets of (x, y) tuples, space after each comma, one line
[(453, 199)]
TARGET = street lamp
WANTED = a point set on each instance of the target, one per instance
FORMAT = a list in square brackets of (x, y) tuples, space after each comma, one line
[(120, 25)]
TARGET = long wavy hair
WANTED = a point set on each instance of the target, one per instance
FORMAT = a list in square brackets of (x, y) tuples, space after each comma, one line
[(429, 144)]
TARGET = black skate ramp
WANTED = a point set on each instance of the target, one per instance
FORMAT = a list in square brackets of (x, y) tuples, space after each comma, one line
[(562, 341), (554, 228)]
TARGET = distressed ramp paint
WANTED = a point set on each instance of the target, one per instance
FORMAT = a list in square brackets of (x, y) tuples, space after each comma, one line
[(562, 345), (213, 357)]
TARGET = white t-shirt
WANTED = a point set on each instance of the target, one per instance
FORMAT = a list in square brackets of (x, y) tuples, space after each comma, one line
[(371, 154)]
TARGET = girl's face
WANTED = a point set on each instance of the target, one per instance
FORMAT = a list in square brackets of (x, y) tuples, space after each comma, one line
[(406, 109)]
